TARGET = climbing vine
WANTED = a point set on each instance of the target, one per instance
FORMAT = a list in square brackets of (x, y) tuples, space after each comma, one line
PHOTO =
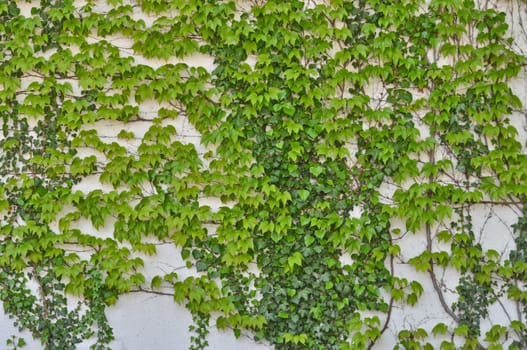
[(353, 146)]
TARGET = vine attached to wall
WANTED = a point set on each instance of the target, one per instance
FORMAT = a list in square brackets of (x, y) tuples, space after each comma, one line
[(338, 134)]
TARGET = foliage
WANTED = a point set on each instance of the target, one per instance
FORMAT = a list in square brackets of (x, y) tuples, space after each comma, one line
[(326, 124)]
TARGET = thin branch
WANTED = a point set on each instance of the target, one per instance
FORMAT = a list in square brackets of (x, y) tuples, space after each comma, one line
[(390, 308), (432, 274), (431, 271), (149, 291)]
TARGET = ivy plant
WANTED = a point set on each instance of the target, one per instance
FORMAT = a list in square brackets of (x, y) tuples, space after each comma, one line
[(332, 132)]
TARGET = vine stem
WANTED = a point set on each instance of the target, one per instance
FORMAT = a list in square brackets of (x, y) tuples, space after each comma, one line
[(150, 291), (45, 305), (390, 307), (431, 271), (432, 274)]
